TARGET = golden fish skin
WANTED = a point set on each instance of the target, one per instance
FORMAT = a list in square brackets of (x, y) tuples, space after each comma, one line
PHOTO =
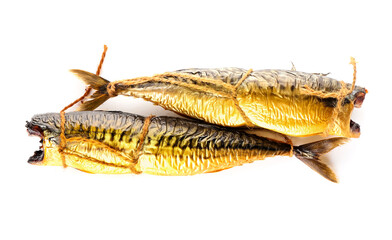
[(107, 142), (271, 99)]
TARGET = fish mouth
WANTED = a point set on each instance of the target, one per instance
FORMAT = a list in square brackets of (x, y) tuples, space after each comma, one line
[(37, 157), (34, 130), (355, 128), (359, 98)]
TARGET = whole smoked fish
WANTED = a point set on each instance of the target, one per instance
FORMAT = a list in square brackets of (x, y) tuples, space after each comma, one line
[(117, 142), (235, 97)]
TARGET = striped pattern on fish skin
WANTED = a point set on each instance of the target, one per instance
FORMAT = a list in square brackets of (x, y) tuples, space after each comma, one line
[(269, 78), (117, 130), (175, 147), (172, 146), (109, 142), (271, 99)]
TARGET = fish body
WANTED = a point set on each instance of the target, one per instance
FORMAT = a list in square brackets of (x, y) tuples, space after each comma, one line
[(270, 99), (115, 143)]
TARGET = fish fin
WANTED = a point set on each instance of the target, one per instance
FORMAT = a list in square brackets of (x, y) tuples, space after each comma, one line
[(95, 82), (310, 153), (90, 79), (218, 170), (293, 67), (93, 103)]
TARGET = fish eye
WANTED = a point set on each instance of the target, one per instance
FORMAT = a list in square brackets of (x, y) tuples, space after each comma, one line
[(51, 141)]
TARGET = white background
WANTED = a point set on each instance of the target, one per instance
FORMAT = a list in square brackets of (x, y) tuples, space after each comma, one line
[(279, 198)]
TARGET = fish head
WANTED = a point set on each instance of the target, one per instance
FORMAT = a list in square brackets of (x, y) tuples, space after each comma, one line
[(357, 96), (353, 100), (47, 129)]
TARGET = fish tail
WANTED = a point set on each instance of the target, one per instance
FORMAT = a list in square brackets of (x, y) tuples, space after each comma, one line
[(310, 153), (95, 82)]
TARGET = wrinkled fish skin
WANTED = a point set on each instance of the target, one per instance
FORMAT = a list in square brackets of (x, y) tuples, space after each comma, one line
[(106, 142), (270, 99), (112, 143)]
